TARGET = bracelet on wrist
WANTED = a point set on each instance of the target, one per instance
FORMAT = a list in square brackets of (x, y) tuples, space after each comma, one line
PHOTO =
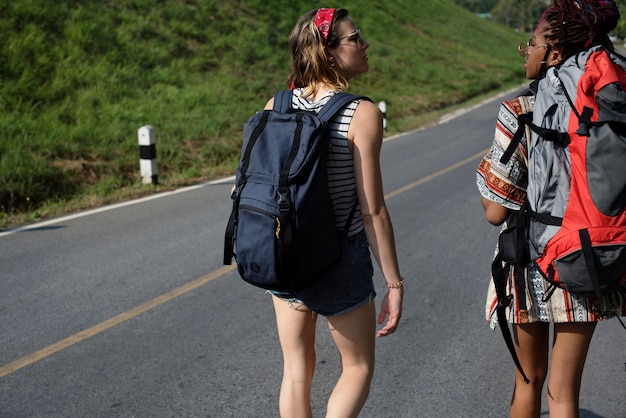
[(395, 285)]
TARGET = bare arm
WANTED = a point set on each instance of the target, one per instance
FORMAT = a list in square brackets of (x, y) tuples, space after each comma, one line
[(366, 134), (494, 212)]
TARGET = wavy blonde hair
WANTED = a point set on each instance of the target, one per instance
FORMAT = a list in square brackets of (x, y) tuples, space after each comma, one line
[(309, 63)]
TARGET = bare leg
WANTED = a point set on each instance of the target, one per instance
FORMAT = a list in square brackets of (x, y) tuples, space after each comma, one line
[(531, 345), (569, 352), (354, 334), (296, 331)]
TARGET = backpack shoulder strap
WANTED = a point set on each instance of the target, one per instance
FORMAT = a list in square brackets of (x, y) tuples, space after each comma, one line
[(336, 103), (282, 101), (523, 120)]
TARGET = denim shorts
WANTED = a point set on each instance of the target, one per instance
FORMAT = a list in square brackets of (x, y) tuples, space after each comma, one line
[(345, 287)]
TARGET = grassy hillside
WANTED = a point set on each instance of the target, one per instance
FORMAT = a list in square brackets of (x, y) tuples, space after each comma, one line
[(78, 78)]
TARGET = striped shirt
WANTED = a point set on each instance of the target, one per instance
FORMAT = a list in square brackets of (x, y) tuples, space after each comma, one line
[(339, 164)]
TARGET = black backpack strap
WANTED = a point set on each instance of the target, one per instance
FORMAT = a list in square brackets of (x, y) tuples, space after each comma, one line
[(523, 120), (526, 119), (500, 280), (229, 236), (546, 218), (590, 260), (512, 251), (559, 138)]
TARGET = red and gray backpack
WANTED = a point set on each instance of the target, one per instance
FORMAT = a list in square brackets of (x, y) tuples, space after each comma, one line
[(574, 228)]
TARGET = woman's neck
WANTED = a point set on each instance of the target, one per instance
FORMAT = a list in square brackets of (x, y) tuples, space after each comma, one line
[(320, 91)]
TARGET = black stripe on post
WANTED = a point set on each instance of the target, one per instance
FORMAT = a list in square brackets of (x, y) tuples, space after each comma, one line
[(147, 152)]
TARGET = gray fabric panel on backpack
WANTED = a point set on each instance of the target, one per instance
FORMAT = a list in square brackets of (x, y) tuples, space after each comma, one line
[(607, 176), (573, 266), (547, 192)]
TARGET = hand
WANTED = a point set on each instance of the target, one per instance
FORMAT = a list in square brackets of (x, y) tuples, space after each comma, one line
[(392, 306)]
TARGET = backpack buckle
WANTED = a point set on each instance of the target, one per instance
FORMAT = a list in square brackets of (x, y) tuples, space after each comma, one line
[(283, 201), (236, 192), (584, 121)]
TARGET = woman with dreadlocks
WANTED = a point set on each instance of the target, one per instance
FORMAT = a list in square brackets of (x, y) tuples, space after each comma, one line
[(566, 28)]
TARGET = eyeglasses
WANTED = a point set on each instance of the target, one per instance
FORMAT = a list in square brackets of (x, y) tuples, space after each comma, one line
[(523, 47), (353, 37)]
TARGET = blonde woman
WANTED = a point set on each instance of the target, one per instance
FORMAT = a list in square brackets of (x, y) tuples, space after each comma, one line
[(327, 50)]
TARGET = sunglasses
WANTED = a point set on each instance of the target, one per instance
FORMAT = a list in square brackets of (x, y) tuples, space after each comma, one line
[(523, 48), (353, 37)]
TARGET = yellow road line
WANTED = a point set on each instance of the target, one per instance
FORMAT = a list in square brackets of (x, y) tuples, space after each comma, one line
[(434, 175), (166, 297), (110, 323)]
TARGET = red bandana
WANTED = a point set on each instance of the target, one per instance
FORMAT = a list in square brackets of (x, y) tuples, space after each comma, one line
[(323, 20)]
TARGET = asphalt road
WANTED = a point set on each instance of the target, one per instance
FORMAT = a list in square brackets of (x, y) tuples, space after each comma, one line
[(126, 311)]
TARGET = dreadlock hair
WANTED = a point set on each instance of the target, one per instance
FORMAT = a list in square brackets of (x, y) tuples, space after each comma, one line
[(309, 65), (572, 26)]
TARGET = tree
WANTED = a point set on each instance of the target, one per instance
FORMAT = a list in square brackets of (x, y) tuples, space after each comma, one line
[(620, 30), (477, 6), (519, 14), (505, 12)]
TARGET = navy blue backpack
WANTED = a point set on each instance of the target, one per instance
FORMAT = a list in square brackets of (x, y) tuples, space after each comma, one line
[(282, 229)]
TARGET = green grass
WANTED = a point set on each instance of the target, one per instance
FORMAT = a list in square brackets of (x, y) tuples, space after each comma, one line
[(79, 78)]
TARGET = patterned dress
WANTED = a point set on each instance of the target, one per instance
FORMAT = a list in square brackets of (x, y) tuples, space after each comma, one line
[(506, 184)]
